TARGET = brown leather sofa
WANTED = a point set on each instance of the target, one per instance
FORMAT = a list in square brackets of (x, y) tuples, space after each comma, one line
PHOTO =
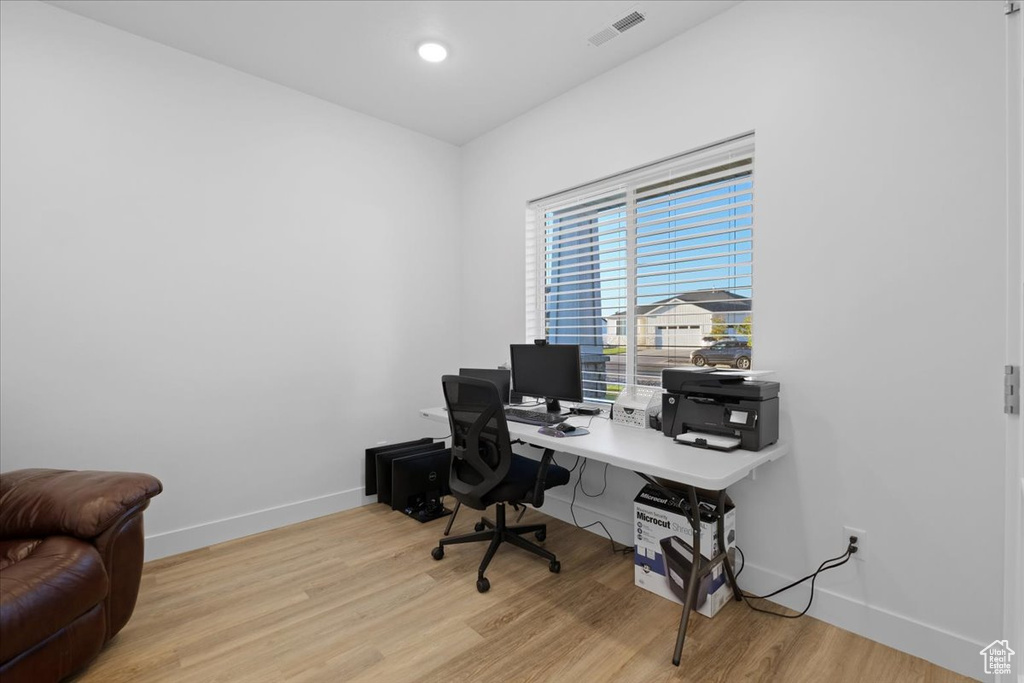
[(71, 553)]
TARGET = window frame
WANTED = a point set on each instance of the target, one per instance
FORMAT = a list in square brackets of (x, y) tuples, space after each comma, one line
[(638, 185)]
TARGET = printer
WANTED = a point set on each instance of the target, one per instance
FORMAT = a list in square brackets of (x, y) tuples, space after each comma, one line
[(720, 403)]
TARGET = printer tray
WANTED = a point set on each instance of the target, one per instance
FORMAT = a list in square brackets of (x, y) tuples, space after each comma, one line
[(713, 441)]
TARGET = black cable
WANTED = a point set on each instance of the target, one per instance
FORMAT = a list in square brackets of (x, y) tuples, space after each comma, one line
[(586, 426), (810, 599), (844, 557), (823, 567), (572, 506), (529, 405), (603, 488)]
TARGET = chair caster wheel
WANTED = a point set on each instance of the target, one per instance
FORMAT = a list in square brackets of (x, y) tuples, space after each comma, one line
[(555, 566), (483, 585), (479, 526), (437, 553), (540, 536)]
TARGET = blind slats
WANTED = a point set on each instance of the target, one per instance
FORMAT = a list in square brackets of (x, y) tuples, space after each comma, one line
[(727, 195), (692, 243), (696, 185), (743, 256), (593, 206), (557, 253), (714, 216)]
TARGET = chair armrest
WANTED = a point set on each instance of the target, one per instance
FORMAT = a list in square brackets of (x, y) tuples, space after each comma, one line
[(83, 504), (542, 475)]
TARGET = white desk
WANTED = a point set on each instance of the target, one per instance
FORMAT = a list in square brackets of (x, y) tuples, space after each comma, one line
[(644, 451), (655, 458)]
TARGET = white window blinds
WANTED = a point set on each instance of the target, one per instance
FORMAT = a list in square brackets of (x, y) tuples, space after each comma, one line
[(647, 268)]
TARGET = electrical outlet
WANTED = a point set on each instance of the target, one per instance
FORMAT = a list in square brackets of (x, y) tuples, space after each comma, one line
[(862, 542)]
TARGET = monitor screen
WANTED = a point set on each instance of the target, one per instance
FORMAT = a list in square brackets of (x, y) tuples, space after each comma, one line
[(549, 371)]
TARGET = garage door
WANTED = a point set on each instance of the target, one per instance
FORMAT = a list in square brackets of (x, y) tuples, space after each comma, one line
[(678, 335)]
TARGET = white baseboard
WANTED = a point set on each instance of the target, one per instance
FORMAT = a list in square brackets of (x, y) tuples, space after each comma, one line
[(558, 507), (218, 531), (951, 651)]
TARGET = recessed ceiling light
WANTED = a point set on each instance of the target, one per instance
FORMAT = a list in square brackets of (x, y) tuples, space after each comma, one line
[(433, 52)]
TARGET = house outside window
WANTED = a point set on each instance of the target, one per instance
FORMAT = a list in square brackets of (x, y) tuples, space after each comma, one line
[(648, 269)]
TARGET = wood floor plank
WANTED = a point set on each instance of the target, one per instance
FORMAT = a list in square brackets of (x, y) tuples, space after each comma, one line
[(356, 597)]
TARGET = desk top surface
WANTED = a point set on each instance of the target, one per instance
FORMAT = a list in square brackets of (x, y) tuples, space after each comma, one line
[(643, 450)]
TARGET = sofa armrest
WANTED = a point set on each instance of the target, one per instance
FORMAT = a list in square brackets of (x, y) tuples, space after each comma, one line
[(83, 504)]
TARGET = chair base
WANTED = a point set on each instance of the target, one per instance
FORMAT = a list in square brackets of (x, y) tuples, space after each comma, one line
[(496, 533)]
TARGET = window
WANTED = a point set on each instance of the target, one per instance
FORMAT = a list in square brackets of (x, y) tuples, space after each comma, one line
[(647, 269)]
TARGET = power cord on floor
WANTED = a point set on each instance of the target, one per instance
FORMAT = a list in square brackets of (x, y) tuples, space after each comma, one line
[(624, 550), (823, 567)]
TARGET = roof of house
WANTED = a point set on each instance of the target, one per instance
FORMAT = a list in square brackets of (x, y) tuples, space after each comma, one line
[(999, 645), (715, 301)]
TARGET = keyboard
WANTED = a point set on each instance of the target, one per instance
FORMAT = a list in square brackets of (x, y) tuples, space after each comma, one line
[(532, 417)]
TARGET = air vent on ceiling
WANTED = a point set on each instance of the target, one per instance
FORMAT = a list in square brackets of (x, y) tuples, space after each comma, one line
[(618, 26), (603, 36), (628, 21)]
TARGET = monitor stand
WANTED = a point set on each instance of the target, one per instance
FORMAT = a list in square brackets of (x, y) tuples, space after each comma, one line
[(553, 405)]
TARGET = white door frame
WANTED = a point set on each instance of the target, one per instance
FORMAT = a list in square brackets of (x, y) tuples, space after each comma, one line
[(1013, 581)]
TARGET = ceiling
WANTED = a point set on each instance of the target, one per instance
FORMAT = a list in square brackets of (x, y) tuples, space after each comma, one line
[(505, 58)]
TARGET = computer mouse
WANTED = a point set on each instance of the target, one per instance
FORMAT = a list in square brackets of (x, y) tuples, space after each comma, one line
[(565, 427), (550, 431)]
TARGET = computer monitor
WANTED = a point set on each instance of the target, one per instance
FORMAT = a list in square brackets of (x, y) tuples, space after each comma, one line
[(372, 453), (385, 460), (548, 371), (499, 376), (419, 482)]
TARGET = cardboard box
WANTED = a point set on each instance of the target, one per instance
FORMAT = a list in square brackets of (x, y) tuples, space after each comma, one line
[(657, 520)]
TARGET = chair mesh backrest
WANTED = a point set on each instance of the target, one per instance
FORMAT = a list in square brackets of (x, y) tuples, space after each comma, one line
[(481, 448)]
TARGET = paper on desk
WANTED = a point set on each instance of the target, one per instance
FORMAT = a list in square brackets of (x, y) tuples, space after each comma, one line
[(716, 441)]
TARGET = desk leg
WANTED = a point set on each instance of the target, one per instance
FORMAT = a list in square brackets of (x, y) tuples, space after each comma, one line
[(723, 544), (691, 585)]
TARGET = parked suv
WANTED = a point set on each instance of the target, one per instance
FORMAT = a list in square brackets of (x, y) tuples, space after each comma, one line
[(733, 353)]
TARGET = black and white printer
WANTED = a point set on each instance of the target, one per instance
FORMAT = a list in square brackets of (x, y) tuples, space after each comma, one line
[(719, 409)]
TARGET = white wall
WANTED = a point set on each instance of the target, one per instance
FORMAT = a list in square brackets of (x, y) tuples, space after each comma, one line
[(880, 199), (211, 278)]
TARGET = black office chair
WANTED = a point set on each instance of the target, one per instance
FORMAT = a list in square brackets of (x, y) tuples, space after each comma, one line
[(485, 471)]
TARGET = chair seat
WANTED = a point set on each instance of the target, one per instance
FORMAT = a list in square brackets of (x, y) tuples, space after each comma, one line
[(522, 477)]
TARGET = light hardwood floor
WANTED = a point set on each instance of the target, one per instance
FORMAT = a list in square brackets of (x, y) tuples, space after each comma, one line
[(356, 597)]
